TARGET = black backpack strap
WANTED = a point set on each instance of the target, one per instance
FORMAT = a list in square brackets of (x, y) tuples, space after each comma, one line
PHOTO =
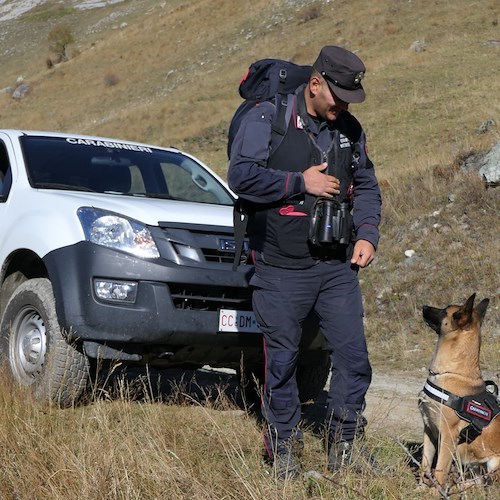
[(280, 122), (279, 126), (240, 222), (304, 116)]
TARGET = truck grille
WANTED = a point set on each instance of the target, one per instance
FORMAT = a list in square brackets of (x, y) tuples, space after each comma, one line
[(215, 255), (187, 296), (215, 243)]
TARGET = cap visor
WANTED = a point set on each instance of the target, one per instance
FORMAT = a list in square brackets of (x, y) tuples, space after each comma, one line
[(350, 96)]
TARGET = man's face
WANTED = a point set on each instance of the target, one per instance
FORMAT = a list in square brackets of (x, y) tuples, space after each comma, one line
[(327, 105)]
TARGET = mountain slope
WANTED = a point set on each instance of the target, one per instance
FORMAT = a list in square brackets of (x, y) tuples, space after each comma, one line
[(175, 67)]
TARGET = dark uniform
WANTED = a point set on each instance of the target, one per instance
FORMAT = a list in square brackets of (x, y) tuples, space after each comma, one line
[(292, 276)]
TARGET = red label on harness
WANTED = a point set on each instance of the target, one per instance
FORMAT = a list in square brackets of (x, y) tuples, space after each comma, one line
[(478, 410)]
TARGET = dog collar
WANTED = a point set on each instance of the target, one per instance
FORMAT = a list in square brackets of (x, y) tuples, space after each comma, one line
[(443, 396)]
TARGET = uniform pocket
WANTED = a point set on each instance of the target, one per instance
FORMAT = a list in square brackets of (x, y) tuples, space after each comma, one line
[(292, 230)]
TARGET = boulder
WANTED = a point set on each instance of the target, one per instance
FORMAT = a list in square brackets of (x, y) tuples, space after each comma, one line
[(489, 166), (21, 91)]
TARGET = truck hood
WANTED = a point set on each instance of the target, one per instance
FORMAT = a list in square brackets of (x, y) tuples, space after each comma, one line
[(147, 210)]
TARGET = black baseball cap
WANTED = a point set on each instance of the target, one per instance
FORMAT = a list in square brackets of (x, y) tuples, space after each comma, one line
[(343, 71)]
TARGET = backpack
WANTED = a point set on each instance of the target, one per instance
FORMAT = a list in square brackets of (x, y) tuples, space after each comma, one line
[(268, 80), (272, 80)]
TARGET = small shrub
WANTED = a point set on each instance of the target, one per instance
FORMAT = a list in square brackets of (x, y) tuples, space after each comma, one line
[(59, 38), (310, 13), (111, 79)]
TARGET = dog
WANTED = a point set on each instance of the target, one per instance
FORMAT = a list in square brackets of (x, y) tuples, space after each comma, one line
[(460, 411)]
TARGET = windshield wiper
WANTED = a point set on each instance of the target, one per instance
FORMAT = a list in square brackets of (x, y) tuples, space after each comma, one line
[(161, 196), (67, 187)]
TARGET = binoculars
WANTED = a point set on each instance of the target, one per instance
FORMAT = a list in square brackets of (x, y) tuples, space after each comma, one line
[(331, 223)]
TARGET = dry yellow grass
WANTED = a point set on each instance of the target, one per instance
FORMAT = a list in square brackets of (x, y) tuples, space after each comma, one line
[(129, 448)]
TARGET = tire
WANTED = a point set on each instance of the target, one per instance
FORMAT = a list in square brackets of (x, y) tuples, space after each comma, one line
[(34, 349), (311, 379), (9, 286)]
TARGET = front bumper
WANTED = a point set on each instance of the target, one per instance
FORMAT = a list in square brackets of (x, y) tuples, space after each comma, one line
[(176, 306)]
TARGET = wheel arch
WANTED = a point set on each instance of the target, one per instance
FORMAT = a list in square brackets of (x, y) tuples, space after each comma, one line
[(19, 266)]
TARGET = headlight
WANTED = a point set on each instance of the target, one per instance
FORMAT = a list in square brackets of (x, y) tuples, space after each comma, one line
[(114, 231)]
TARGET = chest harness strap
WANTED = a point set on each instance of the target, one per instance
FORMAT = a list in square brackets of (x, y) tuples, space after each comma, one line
[(479, 409)]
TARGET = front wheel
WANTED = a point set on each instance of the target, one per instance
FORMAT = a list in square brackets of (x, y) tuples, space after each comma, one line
[(33, 346)]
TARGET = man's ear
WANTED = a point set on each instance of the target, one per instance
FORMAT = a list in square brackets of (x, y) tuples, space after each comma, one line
[(314, 84)]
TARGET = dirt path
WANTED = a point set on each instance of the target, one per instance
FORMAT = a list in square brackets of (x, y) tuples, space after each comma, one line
[(391, 406), (391, 402)]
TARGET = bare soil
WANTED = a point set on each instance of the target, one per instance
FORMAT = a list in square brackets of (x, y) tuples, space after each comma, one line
[(391, 405)]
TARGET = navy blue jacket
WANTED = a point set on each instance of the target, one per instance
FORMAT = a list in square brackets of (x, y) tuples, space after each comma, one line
[(251, 179)]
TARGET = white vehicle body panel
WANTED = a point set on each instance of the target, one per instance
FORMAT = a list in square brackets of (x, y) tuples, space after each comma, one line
[(35, 207)]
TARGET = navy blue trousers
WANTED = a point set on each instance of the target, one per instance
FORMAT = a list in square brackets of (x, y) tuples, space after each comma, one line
[(282, 299)]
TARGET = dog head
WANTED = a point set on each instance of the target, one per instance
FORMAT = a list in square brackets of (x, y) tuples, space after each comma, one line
[(454, 317)]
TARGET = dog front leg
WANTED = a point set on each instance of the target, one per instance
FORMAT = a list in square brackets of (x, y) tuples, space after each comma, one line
[(446, 448), (428, 453)]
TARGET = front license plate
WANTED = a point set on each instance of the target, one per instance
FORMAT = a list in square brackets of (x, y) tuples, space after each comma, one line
[(231, 320)]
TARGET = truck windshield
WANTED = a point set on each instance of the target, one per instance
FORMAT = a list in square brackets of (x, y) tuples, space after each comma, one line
[(113, 167)]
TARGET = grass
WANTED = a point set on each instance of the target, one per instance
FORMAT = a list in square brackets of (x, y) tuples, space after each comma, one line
[(182, 447), (449, 239), (179, 64), (169, 76)]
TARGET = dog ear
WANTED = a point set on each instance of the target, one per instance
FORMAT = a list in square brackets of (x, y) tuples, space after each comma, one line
[(470, 301), (464, 315), (481, 309)]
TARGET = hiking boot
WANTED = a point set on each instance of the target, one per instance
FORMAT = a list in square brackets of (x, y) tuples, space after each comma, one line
[(286, 466), (345, 454), (340, 455)]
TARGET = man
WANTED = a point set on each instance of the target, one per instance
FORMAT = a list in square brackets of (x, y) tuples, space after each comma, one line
[(321, 161)]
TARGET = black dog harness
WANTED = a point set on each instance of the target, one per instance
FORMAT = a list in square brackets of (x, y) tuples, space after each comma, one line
[(479, 409)]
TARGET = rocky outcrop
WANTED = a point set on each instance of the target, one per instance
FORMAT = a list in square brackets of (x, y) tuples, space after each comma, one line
[(486, 164)]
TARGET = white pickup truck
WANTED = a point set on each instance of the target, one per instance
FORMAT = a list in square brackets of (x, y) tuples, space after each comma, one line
[(115, 250)]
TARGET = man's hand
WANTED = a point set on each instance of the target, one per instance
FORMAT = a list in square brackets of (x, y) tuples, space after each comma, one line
[(320, 184), (363, 254)]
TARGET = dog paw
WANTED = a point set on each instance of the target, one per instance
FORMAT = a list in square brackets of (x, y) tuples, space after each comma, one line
[(421, 488), (428, 488)]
